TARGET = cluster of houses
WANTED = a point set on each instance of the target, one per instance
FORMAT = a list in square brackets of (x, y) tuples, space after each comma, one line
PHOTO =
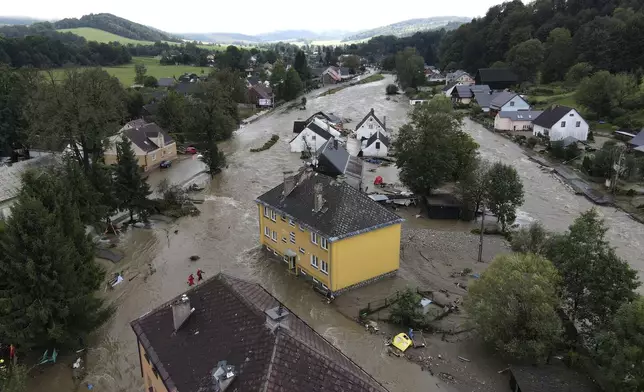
[(490, 90)]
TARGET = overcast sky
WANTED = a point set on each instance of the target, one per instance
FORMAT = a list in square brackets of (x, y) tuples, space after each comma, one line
[(251, 16)]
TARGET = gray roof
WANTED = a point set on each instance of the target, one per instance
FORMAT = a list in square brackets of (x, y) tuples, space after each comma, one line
[(468, 91), (11, 176), (141, 134), (165, 82), (346, 211), (551, 116), (483, 98), (521, 115), (551, 378), (638, 140), (186, 87), (378, 136), (313, 127), (501, 98), (335, 160), (449, 85), (456, 74)]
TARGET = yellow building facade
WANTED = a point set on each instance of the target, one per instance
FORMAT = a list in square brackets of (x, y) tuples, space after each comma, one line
[(334, 265), (151, 377)]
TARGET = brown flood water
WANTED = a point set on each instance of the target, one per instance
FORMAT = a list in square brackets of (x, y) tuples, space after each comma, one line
[(225, 236)]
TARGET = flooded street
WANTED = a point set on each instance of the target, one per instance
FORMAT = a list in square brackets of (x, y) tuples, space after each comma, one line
[(225, 236)]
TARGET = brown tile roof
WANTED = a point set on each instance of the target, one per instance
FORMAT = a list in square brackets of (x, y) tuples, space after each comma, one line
[(229, 324)]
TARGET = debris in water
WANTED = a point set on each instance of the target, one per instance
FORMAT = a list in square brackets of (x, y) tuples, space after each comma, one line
[(446, 376), (194, 258), (464, 359)]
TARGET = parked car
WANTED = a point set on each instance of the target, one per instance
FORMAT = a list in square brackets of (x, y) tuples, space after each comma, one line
[(191, 150), (165, 164)]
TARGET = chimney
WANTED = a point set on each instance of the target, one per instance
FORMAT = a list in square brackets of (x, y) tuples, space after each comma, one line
[(384, 123), (181, 311), (222, 376), (318, 202), (275, 316), (289, 183), (371, 111)]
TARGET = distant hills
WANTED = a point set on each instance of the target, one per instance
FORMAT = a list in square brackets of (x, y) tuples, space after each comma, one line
[(18, 20), (411, 26), (116, 25)]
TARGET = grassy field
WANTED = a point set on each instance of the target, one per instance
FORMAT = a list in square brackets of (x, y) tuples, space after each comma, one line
[(125, 73), (92, 34)]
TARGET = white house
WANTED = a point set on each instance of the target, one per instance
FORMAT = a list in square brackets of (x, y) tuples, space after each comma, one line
[(310, 139), (560, 122), (369, 125), (507, 101), (327, 126), (515, 120), (460, 77), (376, 146)]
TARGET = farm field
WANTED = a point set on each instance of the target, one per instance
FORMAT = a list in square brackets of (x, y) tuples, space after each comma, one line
[(92, 34), (125, 73)]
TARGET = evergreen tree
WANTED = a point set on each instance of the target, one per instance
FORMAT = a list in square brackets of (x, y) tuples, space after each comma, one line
[(301, 65), (292, 85), (132, 190), (48, 276)]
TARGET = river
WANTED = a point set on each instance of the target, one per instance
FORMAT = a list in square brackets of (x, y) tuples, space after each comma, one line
[(225, 236)]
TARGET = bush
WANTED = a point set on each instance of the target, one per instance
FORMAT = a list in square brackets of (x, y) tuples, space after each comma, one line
[(391, 89), (407, 311), (591, 136), (410, 92), (532, 142), (150, 81), (266, 145)]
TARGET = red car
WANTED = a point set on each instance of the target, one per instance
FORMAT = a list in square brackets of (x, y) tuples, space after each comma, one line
[(191, 150)]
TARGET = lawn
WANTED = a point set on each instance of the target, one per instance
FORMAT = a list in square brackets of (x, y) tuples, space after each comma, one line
[(125, 73), (92, 34)]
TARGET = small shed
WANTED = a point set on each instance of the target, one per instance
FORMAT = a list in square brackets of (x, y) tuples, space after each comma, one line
[(443, 206), (549, 378)]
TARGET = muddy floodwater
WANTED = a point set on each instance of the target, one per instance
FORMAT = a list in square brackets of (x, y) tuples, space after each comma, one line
[(225, 236)]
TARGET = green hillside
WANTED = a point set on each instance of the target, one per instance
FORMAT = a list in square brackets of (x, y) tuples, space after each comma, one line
[(411, 26), (116, 25)]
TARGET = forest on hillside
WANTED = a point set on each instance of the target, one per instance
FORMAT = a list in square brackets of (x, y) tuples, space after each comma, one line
[(115, 25), (549, 36)]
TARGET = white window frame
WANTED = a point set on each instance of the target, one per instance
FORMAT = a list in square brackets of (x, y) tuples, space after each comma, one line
[(511, 103), (314, 238), (301, 227), (154, 157), (273, 216), (563, 124), (267, 212), (325, 286), (324, 267), (284, 240), (292, 237), (291, 222), (267, 231), (578, 124), (324, 243), (274, 236), (377, 145), (316, 281), (303, 251), (163, 152), (283, 218), (314, 261), (303, 272)]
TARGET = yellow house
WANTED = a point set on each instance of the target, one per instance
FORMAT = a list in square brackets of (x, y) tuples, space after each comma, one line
[(227, 334), (151, 144), (327, 231)]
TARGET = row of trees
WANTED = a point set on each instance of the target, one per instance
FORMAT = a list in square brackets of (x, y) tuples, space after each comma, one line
[(433, 150), (517, 304), (549, 36)]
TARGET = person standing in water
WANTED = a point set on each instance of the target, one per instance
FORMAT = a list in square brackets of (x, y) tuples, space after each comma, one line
[(191, 280)]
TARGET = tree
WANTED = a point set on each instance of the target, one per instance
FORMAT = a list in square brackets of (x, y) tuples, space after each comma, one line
[(595, 280), (301, 65), (603, 93), (150, 81), (14, 379), (278, 78), (131, 189), (171, 114), (525, 59), (391, 89), (410, 68), (619, 352), (532, 239), (81, 112), (433, 149), (559, 55), (513, 306), (233, 83), (14, 94), (504, 193), (134, 104), (352, 62), (389, 63), (577, 73), (139, 71), (407, 310), (48, 276), (292, 85), (472, 187)]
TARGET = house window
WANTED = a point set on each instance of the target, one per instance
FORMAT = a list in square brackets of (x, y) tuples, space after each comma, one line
[(324, 286), (273, 216), (370, 126), (283, 218), (302, 272), (325, 267), (314, 238), (267, 231), (302, 251), (291, 222), (301, 227), (511, 103), (292, 235), (284, 239), (162, 153), (267, 212), (285, 258), (316, 281), (324, 243), (274, 236), (377, 145), (578, 124), (563, 124), (314, 261), (313, 137), (154, 157)]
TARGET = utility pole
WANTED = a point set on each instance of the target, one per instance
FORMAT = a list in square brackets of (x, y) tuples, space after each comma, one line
[(617, 167), (481, 234)]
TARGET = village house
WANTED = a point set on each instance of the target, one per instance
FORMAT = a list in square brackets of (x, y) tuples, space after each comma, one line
[(560, 122), (460, 77), (555, 377), (329, 232), (331, 75), (260, 95), (507, 101), (313, 136), (520, 120), (11, 179), (447, 90), (329, 118), (637, 142), (228, 334), (334, 160), (496, 78), (463, 94), (369, 125), (376, 146), (150, 143), (166, 82)]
